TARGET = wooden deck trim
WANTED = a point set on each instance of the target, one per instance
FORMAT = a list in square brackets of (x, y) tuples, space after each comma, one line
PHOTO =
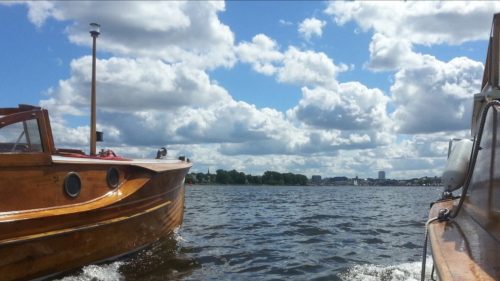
[(80, 228), (149, 164), (438, 255), (25, 159), (461, 248)]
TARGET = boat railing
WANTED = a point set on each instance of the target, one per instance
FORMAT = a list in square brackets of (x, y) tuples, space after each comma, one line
[(476, 147)]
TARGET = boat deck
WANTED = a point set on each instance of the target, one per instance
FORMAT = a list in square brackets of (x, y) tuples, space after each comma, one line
[(156, 165), (462, 249)]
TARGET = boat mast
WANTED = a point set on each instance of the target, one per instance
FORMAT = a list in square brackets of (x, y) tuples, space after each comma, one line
[(94, 32)]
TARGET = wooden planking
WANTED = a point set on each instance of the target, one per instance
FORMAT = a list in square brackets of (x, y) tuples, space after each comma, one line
[(43, 187), (42, 235), (132, 197), (63, 252), (47, 182), (24, 159), (134, 224), (109, 198)]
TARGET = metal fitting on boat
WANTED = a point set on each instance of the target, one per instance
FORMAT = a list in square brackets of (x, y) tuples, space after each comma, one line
[(446, 195), (161, 153), (443, 214)]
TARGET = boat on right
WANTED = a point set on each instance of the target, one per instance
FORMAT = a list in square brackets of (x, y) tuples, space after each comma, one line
[(464, 230)]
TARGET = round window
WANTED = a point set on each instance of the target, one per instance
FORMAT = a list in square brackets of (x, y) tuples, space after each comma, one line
[(72, 184), (113, 177)]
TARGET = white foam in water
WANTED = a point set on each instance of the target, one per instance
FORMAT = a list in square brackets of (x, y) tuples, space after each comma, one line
[(400, 272), (177, 235), (104, 272)]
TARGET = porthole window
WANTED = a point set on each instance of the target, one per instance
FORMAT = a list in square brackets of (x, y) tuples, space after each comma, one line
[(72, 184), (113, 177)]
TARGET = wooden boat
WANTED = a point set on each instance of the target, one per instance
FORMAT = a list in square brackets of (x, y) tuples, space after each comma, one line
[(61, 209), (464, 231)]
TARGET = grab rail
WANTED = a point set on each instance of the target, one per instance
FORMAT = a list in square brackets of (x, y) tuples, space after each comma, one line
[(474, 153)]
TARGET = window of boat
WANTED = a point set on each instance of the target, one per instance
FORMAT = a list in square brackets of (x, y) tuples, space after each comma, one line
[(21, 137)]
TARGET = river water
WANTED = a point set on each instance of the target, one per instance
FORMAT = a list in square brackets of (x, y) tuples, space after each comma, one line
[(285, 233)]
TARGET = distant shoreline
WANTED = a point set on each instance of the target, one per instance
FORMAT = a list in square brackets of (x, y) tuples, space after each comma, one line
[(269, 185), (273, 178)]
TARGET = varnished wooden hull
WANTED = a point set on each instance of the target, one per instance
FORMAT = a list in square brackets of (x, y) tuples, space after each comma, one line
[(46, 240), (467, 247), (462, 249)]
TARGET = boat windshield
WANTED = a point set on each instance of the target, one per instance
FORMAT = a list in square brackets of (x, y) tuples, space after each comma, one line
[(23, 136)]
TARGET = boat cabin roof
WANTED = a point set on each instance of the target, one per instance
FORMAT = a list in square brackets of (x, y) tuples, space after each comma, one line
[(26, 139)]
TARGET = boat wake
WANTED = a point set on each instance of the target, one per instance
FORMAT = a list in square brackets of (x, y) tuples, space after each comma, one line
[(162, 260), (102, 272), (400, 272), (177, 235)]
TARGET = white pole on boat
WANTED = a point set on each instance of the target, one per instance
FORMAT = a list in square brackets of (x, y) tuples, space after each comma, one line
[(94, 32)]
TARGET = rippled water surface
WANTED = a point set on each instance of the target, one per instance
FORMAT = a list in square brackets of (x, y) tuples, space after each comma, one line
[(285, 233)]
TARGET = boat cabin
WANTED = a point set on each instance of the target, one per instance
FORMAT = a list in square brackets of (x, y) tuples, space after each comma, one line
[(25, 136)]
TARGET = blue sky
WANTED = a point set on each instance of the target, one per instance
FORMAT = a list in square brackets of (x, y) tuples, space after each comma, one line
[(311, 87)]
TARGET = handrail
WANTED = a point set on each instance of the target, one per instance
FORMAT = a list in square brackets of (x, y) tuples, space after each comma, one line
[(475, 150)]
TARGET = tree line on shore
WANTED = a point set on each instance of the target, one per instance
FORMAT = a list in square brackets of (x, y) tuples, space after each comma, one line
[(235, 177)]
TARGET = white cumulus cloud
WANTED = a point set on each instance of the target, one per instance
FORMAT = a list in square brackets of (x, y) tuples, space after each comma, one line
[(311, 27), (424, 22), (262, 53), (308, 68), (133, 85), (347, 106), (398, 26), (436, 96), (174, 31)]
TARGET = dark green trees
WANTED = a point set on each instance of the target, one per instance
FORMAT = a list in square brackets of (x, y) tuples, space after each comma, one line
[(235, 177)]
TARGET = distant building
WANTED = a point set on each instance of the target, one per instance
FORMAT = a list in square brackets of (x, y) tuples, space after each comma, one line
[(316, 179), (336, 181), (381, 175), (339, 179)]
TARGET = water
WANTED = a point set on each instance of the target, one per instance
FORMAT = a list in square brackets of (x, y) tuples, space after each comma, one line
[(286, 233)]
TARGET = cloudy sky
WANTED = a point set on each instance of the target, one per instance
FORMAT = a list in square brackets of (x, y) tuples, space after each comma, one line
[(328, 88)]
